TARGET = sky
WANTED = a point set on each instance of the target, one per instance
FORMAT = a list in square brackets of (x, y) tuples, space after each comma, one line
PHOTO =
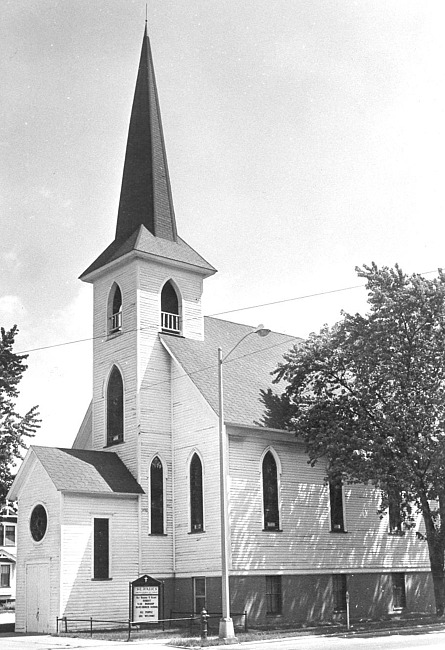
[(304, 138)]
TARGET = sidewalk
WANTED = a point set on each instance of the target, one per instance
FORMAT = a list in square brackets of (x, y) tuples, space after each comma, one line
[(12, 641)]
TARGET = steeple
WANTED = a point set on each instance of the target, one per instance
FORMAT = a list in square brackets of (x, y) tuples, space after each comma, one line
[(146, 194), (146, 224)]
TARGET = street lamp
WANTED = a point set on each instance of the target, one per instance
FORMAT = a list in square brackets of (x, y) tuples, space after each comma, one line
[(226, 630)]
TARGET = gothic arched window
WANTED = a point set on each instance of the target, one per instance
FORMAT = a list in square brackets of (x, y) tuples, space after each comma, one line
[(115, 408), (270, 493), (114, 310), (170, 321), (196, 495), (156, 497)]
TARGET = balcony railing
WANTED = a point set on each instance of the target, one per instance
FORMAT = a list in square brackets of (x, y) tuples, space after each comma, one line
[(170, 322), (116, 322)]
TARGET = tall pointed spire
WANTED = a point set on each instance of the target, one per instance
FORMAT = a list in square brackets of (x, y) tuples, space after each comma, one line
[(146, 224), (146, 194)]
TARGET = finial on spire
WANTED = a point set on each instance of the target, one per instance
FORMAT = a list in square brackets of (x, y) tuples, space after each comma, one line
[(146, 14)]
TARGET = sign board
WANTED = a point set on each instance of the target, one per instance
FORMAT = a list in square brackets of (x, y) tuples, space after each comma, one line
[(145, 595)]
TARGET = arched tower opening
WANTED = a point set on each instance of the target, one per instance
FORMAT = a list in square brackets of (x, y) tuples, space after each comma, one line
[(170, 316), (114, 309)]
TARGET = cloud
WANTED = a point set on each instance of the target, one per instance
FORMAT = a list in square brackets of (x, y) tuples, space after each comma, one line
[(10, 308), (9, 261)]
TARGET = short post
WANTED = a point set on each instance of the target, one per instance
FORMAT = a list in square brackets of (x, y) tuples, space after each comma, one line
[(66, 624), (347, 610), (204, 624), (245, 621), (57, 625), (129, 629), (91, 626), (191, 624)]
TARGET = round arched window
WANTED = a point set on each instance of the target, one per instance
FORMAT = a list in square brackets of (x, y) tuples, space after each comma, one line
[(38, 523)]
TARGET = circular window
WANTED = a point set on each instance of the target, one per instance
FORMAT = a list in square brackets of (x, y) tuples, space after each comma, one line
[(38, 523)]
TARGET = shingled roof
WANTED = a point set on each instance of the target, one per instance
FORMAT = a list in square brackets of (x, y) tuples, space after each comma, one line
[(142, 241), (246, 371), (78, 470)]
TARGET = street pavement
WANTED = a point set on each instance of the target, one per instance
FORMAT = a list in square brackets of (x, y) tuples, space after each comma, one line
[(428, 638)]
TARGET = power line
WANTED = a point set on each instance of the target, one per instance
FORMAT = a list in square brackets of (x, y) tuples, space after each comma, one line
[(221, 313)]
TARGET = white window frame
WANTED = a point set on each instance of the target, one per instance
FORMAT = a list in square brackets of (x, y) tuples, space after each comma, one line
[(280, 501), (189, 503), (164, 493), (98, 515), (343, 499)]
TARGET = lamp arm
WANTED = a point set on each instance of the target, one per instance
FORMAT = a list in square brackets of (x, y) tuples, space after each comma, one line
[(235, 346)]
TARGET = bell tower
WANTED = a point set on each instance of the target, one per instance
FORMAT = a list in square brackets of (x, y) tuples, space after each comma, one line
[(147, 281)]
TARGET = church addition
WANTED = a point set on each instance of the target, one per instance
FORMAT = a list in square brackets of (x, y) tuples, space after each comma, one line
[(138, 493)]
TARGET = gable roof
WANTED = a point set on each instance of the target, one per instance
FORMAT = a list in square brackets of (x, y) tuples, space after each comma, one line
[(79, 470), (246, 371)]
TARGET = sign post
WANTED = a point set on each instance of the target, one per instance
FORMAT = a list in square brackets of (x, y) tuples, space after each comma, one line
[(145, 600)]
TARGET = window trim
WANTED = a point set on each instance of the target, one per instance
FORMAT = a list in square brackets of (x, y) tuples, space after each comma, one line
[(41, 540), (174, 331), (111, 314), (7, 573), (332, 528), (108, 442), (394, 513), (402, 587), (342, 607), (276, 457), (3, 537), (274, 581), (195, 595), (110, 554), (164, 495), (194, 453)]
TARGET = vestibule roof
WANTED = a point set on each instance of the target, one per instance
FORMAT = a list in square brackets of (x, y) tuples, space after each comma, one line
[(78, 470), (246, 371)]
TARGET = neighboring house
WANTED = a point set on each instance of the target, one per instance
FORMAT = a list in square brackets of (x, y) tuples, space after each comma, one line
[(8, 552), (139, 493)]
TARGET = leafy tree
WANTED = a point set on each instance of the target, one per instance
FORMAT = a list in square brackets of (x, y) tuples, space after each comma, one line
[(14, 428), (368, 396)]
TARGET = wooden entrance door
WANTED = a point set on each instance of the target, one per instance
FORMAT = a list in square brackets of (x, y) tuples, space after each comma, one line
[(37, 598)]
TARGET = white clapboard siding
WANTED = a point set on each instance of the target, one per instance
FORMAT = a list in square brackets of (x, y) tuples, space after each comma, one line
[(81, 596), (306, 543), (119, 349), (38, 488), (195, 428)]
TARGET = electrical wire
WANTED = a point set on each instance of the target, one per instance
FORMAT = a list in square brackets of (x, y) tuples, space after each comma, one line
[(221, 313)]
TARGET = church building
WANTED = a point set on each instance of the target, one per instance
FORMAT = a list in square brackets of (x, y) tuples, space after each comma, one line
[(138, 494)]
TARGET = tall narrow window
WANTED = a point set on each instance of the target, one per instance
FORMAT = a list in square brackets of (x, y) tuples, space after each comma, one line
[(339, 588), (5, 575), (270, 493), (336, 506), (273, 595), (394, 512), (196, 501), (170, 321), (156, 497), (9, 535), (101, 548), (115, 408), (115, 310), (398, 590), (199, 594)]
